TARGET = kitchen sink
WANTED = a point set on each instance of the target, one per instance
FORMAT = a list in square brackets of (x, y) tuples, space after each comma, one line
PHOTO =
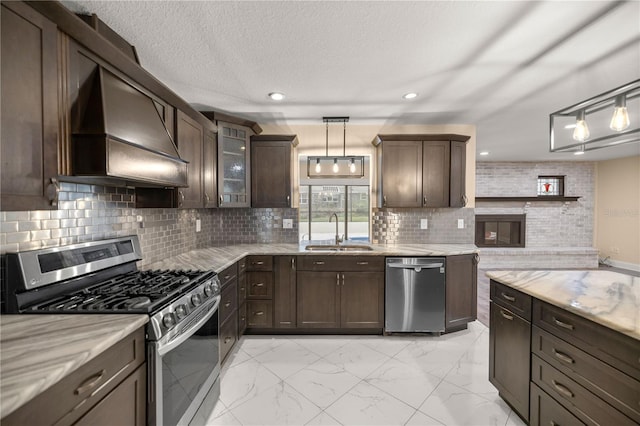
[(328, 247)]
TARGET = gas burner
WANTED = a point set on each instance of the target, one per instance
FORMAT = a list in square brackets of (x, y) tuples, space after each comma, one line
[(137, 302)]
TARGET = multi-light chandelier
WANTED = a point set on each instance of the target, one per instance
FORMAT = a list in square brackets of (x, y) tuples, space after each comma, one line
[(335, 166), (599, 122)]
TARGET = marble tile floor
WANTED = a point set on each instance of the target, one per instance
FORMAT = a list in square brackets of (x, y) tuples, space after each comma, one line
[(361, 380)]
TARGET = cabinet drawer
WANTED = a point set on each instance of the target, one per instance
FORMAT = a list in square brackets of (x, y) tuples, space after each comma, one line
[(259, 314), (84, 387), (514, 300), (612, 347), (259, 263), (227, 275), (228, 301), (228, 336), (259, 285), (546, 411), (342, 262), (615, 387), (585, 405)]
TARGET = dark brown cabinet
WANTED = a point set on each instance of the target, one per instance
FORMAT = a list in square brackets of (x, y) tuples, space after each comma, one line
[(209, 169), (510, 346), (284, 292), (190, 138), (259, 288), (461, 299), (421, 170), (109, 389), (234, 162), (272, 161), (29, 144), (340, 292), (227, 311)]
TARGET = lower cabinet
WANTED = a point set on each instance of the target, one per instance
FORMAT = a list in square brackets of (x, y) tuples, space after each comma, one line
[(108, 390), (228, 311), (284, 291), (345, 298), (461, 300)]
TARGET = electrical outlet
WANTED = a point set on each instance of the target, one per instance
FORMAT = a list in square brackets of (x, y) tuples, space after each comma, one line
[(424, 224), (460, 223), (198, 225), (287, 223)]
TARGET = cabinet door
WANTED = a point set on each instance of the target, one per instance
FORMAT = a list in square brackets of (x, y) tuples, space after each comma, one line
[(189, 138), (270, 174), (125, 405), (233, 166), (402, 174), (29, 144), (435, 173), (209, 170), (284, 298), (509, 357), (318, 299), (362, 300), (457, 187), (461, 295)]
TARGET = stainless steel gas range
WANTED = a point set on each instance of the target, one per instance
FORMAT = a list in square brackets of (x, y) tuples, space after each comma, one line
[(102, 277)]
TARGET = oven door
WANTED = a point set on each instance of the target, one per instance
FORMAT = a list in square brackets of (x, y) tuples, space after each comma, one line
[(184, 372)]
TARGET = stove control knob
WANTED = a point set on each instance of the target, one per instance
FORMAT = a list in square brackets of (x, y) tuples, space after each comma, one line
[(181, 311), (196, 299), (208, 289), (169, 320)]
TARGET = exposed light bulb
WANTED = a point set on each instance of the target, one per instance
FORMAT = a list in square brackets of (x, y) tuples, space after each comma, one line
[(276, 96), (581, 132), (335, 165), (318, 166), (620, 119), (352, 166)]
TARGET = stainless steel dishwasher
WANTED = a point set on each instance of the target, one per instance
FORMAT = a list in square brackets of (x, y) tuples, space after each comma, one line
[(414, 294)]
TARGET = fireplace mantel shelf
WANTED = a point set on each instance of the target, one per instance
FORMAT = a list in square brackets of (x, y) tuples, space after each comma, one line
[(540, 198)]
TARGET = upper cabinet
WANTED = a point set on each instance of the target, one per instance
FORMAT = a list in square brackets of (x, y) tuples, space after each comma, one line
[(190, 139), (233, 165), (272, 162), (29, 144), (421, 170)]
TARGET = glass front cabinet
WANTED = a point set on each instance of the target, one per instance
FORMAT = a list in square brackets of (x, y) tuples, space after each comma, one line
[(233, 165)]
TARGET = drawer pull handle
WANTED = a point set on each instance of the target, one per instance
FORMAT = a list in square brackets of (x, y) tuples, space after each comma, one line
[(506, 316), (562, 389), (362, 263), (226, 277), (509, 298), (260, 262), (563, 357), (563, 324), (90, 382), (258, 313), (258, 284), (227, 340), (226, 305), (318, 262)]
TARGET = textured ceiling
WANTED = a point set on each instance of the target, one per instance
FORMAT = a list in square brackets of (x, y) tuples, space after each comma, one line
[(502, 66)]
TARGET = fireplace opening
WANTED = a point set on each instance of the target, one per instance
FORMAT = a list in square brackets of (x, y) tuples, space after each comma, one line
[(504, 230)]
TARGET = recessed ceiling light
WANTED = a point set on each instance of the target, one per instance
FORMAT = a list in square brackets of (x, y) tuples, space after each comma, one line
[(579, 153), (276, 96), (484, 153), (410, 95)]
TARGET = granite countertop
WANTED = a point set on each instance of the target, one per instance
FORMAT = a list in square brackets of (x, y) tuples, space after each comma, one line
[(218, 258), (607, 298), (37, 351)]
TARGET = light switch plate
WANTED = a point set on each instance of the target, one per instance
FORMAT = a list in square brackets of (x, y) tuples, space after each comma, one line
[(198, 225), (460, 223), (287, 223), (424, 224)]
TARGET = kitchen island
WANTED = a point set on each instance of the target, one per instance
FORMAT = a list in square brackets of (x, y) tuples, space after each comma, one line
[(43, 354), (565, 345)]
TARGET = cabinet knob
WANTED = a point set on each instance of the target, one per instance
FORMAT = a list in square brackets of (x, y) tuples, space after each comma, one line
[(258, 313), (289, 200), (563, 324), (509, 298), (384, 201), (53, 192), (318, 262), (227, 340), (464, 201), (181, 200), (506, 315), (221, 199), (258, 284), (206, 198), (362, 263), (260, 262), (90, 382), (226, 305), (562, 389), (293, 263), (563, 357), (424, 201)]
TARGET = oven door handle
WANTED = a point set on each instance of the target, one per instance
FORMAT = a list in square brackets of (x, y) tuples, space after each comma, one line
[(166, 347)]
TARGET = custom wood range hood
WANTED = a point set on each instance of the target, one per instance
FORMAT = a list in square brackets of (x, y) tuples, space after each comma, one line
[(121, 138)]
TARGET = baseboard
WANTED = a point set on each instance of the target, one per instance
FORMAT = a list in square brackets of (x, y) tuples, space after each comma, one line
[(624, 265)]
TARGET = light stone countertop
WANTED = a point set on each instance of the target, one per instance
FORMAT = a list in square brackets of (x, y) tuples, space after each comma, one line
[(608, 298), (218, 258), (37, 351)]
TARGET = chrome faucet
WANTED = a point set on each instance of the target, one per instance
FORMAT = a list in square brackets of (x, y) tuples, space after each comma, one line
[(338, 239)]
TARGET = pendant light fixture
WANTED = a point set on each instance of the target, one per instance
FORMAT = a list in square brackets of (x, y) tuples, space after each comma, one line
[(335, 166), (613, 120)]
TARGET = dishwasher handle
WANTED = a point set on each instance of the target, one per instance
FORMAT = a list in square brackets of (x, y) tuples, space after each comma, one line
[(417, 268)]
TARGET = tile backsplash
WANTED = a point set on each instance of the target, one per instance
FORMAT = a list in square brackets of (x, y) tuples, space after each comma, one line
[(91, 212), (398, 226)]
